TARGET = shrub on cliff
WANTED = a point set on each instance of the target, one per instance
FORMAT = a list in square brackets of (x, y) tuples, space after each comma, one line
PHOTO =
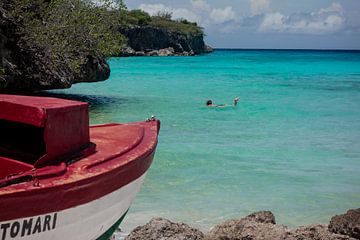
[(160, 20), (67, 29), (57, 42)]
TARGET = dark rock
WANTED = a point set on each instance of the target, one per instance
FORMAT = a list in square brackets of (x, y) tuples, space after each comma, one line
[(315, 232), (262, 217), (347, 224), (148, 37), (159, 228), (259, 225)]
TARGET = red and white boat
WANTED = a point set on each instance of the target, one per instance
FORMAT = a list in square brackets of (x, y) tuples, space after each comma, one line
[(60, 178)]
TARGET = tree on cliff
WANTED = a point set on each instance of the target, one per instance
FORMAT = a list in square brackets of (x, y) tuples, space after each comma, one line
[(59, 40)]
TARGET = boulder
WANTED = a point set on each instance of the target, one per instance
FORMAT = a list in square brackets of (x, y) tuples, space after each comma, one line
[(166, 51), (163, 229), (347, 224), (127, 52), (259, 225), (315, 232), (152, 53)]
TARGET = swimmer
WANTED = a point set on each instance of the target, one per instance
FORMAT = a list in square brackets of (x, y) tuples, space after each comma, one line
[(209, 103)]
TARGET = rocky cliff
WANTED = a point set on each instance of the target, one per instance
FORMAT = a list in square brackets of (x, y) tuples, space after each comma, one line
[(25, 67), (37, 54), (155, 41)]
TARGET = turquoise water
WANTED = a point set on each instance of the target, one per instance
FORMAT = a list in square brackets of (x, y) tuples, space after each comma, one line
[(292, 145)]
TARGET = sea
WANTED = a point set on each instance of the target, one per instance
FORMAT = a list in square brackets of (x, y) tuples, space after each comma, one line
[(291, 145)]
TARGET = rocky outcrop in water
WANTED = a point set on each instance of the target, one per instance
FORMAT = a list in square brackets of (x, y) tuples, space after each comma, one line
[(256, 226), (154, 41)]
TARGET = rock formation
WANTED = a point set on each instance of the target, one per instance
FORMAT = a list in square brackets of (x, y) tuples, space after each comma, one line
[(154, 41), (256, 226), (159, 228), (347, 224)]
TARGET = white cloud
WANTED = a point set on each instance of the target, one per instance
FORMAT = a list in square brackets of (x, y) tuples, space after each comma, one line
[(326, 20), (177, 13), (200, 12), (224, 15), (334, 7), (259, 6), (200, 6)]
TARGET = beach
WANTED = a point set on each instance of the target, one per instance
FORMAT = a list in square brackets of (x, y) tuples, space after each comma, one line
[(290, 146)]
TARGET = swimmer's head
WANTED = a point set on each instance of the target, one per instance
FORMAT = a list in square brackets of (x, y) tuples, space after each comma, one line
[(209, 102)]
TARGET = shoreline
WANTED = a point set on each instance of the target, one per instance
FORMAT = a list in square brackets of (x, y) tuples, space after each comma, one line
[(259, 225)]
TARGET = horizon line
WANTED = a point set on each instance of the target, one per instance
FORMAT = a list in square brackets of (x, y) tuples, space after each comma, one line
[(287, 49)]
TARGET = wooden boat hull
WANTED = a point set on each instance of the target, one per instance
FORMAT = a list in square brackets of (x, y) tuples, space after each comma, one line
[(84, 222), (86, 199)]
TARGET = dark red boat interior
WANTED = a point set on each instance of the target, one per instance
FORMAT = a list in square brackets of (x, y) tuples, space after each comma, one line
[(38, 132), (27, 146)]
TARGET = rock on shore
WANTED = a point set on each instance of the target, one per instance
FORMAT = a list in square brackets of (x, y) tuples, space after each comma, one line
[(348, 223), (159, 228), (256, 226)]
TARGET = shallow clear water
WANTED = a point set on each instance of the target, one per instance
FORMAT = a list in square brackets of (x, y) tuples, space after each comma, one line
[(292, 145)]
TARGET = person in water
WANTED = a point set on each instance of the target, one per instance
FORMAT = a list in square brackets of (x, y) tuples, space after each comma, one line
[(209, 103)]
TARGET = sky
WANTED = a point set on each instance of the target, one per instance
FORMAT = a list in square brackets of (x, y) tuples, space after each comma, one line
[(267, 24)]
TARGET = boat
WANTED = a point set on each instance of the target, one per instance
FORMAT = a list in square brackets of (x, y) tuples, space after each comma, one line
[(63, 179)]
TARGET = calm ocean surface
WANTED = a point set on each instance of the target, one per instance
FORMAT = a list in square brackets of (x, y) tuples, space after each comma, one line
[(292, 145)]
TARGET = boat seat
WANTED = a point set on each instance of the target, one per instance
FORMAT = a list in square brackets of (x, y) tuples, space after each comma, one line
[(11, 167)]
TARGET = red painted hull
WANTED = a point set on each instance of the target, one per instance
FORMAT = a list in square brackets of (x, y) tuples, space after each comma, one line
[(124, 152)]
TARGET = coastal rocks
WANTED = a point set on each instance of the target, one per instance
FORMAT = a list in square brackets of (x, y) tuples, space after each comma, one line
[(316, 232), (164, 52), (153, 41), (259, 225), (159, 228), (347, 224), (256, 226)]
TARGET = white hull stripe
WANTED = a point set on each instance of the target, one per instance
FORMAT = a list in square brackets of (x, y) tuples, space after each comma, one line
[(85, 222)]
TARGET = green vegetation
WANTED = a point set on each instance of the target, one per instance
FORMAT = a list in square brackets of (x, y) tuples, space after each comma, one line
[(56, 39), (66, 31), (161, 20)]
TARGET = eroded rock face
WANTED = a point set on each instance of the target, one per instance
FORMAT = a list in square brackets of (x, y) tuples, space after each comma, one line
[(154, 41), (347, 224), (159, 228)]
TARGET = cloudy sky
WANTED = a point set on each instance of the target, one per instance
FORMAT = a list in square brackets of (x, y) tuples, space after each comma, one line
[(309, 24)]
